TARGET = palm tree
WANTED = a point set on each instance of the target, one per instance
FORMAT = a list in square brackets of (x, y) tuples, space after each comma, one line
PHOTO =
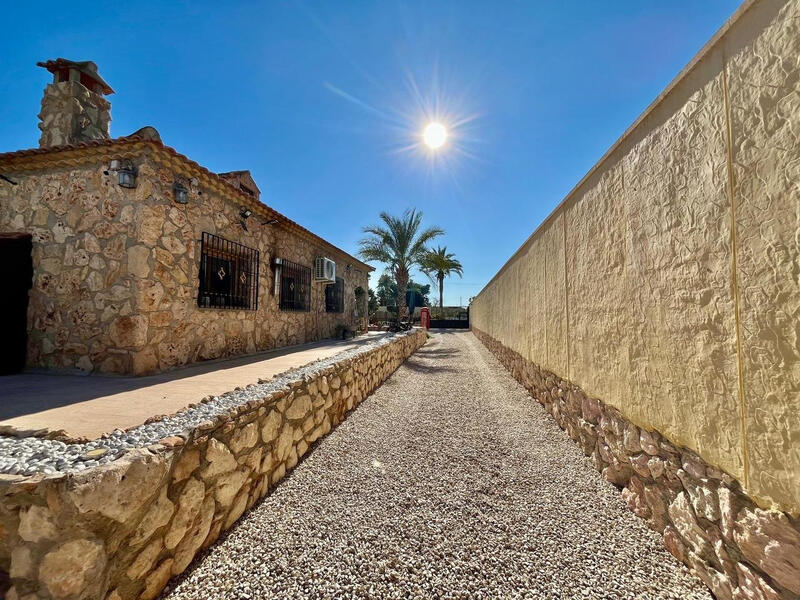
[(439, 264), (401, 244)]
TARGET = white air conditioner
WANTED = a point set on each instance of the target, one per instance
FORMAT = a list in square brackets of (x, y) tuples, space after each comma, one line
[(324, 270)]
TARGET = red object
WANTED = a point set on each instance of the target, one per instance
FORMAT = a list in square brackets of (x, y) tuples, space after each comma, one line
[(425, 317)]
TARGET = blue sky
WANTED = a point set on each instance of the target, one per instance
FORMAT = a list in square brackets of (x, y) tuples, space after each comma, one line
[(325, 101)]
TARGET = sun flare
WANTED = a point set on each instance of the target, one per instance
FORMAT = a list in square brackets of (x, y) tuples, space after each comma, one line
[(435, 135)]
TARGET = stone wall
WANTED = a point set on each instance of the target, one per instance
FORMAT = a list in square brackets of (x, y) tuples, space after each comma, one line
[(739, 550), (119, 531), (116, 269), (666, 282)]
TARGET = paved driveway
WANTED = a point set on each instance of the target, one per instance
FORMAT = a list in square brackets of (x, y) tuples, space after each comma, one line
[(448, 482), (90, 405)]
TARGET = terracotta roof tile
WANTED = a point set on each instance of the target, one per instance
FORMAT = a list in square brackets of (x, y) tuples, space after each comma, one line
[(283, 220)]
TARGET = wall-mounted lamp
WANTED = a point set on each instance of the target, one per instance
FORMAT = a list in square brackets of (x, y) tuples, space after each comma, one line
[(126, 172), (244, 213), (127, 175), (180, 192)]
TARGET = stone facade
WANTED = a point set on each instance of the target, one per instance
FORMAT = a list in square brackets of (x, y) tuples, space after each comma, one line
[(116, 269), (739, 550), (666, 281), (121, 530)]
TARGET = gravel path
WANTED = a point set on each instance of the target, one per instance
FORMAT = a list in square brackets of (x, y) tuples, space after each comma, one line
[(448, 482)]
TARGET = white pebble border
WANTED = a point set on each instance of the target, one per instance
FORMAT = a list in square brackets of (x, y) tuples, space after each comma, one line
[(31, 455)]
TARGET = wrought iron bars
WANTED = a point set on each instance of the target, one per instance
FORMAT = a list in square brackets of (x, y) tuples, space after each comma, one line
[(334, 296), (295, 286), (228, 274)]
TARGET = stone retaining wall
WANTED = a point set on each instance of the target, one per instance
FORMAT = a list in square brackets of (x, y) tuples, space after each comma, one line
[(120, 531), (739, 550)]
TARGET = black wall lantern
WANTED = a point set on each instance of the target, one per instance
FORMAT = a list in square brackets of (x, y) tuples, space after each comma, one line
[(127, 176), (126, 173), (244, 213), (180, 192)]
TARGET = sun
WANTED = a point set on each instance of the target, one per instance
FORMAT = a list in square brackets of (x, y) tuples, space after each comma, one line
[(435, 135)]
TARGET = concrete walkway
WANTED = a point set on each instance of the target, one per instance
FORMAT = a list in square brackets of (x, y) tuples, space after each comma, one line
[(88, 406), (448, 482)]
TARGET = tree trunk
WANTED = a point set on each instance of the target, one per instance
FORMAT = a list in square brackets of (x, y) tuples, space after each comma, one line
[(401, 277), (441, 296)]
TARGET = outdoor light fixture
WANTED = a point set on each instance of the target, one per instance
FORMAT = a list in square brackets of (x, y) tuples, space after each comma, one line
[(244, 213), (180, 192), (127, 174)]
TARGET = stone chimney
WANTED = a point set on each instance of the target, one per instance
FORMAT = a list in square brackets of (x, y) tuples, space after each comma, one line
[(73, 107)]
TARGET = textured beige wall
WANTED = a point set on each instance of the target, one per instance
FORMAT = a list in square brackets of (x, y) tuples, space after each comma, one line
[(764, 98), (666, 283)]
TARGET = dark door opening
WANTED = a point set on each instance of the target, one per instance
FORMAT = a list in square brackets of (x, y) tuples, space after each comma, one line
[(17, 277)]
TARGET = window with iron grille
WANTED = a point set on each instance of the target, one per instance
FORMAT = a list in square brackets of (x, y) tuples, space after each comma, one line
[(228, 274), (334, 296), (295, 292)]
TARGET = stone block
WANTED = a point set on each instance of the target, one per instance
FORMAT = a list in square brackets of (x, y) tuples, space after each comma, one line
[(271, 426), (227, 487), (193, 540), (752, 586), (157, 579), (22, 564), (129, 331), (138, 261), (144, 561), (157, 516), (219, 460), (119, 489), (770, 542), (188, 462), (73, 568), (188, 503), (36, 524), (683, 518), (299, 407), (284, 443), (245, 437)]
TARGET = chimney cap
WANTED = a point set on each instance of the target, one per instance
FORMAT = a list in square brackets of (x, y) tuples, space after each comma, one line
[(85, 67)]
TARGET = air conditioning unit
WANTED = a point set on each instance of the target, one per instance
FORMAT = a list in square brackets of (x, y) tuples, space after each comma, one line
[(324, 270)]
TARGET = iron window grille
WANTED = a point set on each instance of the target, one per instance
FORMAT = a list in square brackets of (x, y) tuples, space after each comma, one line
[(295, 290), (334, 296), (228, 274)]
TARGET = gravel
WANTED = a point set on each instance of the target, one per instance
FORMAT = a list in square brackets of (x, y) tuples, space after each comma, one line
[(31, 455), (448, 482)]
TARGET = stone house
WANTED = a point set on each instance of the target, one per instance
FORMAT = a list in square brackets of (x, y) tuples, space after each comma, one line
[(144, 260)]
